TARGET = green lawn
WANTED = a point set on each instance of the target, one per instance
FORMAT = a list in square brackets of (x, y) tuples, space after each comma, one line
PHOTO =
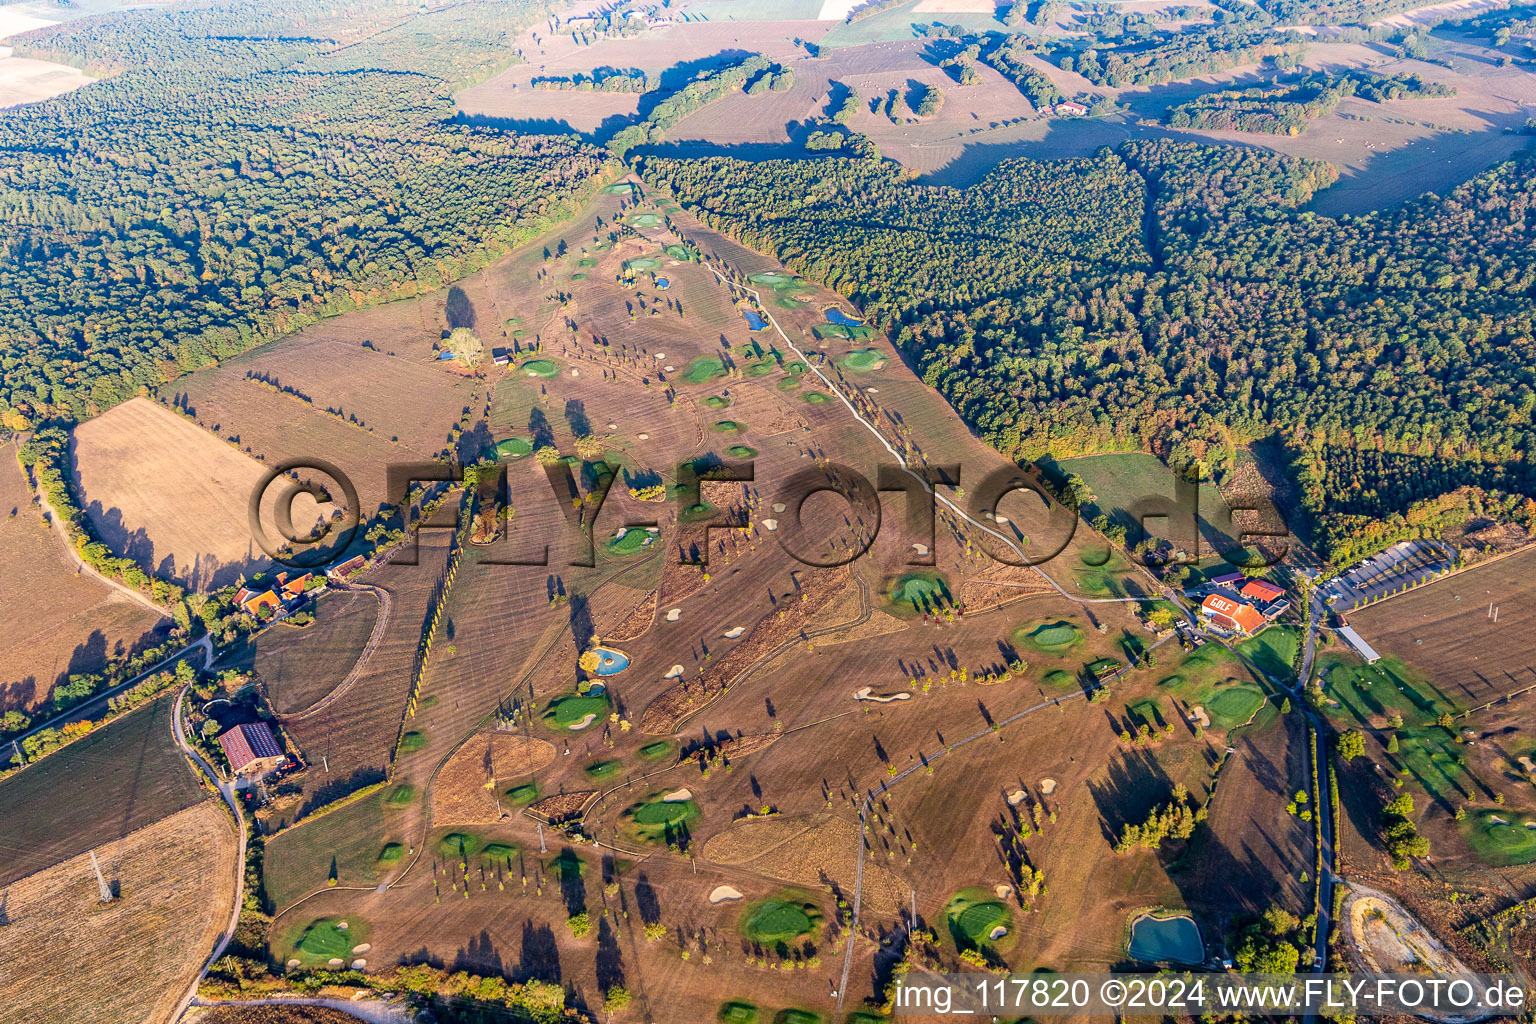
[(715, 402), (728, 427), (862, 360), (1234, 706), (703, 369), (631, 543), (741, 451), (603, 769), (413, 741), (915, 593), (565, 711), (1502, 838), (779, 920), (656, 751), (1274, 651), (540, 368), (392, 853), (400, 795), (514, 447), (458, 845), (973, 914), (816, 397), (737, 1012), (1051, 636), (526, 793), (324, 939)]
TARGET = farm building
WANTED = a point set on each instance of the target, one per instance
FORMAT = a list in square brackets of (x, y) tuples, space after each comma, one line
[(1262, 592), (1229, 580), (254, 603), (251, 748), (1231, 614), (1362, 648), (294, 587), (1070, 109)]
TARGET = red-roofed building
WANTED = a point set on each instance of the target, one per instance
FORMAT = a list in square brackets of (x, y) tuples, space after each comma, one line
[(295, 586), (266, 599), (1235, 615), (251, 748), (1262, 592)]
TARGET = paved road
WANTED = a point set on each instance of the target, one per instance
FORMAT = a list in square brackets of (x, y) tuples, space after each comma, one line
[(227, 791)]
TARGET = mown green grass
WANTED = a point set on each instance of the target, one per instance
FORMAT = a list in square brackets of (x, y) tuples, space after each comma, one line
[(703, 369), (779, 920)]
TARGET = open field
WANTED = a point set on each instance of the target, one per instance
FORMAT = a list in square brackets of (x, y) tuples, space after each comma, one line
[(1446, 630), (71, 958), (73, 622), (98, 789), (168, 495), (299, 665)]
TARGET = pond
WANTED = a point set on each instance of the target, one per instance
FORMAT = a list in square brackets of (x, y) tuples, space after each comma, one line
[(1156, 940), (609, 661), (837, 316), (662, 284), (754, 319)]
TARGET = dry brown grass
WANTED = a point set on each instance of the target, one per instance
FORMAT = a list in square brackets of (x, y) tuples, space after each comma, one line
[(806, 850), (270, 1015), (69, 958), (460, 794), (168, 495), (73, 622)]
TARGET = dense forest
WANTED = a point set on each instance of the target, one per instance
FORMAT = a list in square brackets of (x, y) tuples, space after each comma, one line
[(1285, 108), (238, 175), (1172, 296)]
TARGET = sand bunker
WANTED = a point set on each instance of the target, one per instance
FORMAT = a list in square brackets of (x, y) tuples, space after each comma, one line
[(1526, 763), (586, 720), (734, 632), (1047, 786), (334, 962), (295, 963), (677, 796), (997, 933), (865, 693), (575, 372), (1015, 798), (770, 525), (359, 965), (778, 506), (361, 949), (723, 894), (673, 614), (644, 437), (673, 672), (1202, 719), (1003, 891), (1497, 820), (342, 926), (921, 549), (613, 426)]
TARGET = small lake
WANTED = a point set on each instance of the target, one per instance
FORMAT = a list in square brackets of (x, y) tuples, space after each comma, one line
[(662, 284), (837, 316), (609, 661), (754, 319), (1156, 940)]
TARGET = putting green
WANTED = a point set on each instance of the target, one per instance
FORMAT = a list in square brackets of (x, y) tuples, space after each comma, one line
[(621, 188), (916, 592), (716, 402), (779, 920), (325, 939), (1050, 637), (391, 854), (631, 543), (413, 741), (795, 1015), (774, 279), (741, 451), (863, 360), (514, 447), (761, 368), (703, 368), (1235, 705), (578, 277), (680, 252), (816, 397), (642, 263), (644, 220), (659, 813), (586, 261), (1060, 679), (564, 712), (795, 367), (973, 915), (540, 368), (789, 384)]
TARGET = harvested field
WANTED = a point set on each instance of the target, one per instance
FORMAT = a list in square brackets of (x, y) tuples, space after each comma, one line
[(804, 850), (73, 623), (168, 495), (1446, 631), (70, 958), (468, 787), (98, 789), (299, 665)]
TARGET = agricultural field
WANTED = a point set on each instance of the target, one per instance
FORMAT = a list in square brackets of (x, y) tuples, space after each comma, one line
[(299, 665), (170, 496), (96, 790), (173, 882), (73, 623)]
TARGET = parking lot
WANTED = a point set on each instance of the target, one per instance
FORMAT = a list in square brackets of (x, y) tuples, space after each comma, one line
[(1408, 563)]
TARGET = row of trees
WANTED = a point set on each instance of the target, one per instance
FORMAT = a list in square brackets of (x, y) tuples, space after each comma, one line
[(1286, 108)]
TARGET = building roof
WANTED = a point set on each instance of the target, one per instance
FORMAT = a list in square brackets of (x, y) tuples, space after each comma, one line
[(350, 565), (1234, 613), (266, 599), (1261, 591), (247, 743), (295, 586), (1226, 578), (1357, 641)]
